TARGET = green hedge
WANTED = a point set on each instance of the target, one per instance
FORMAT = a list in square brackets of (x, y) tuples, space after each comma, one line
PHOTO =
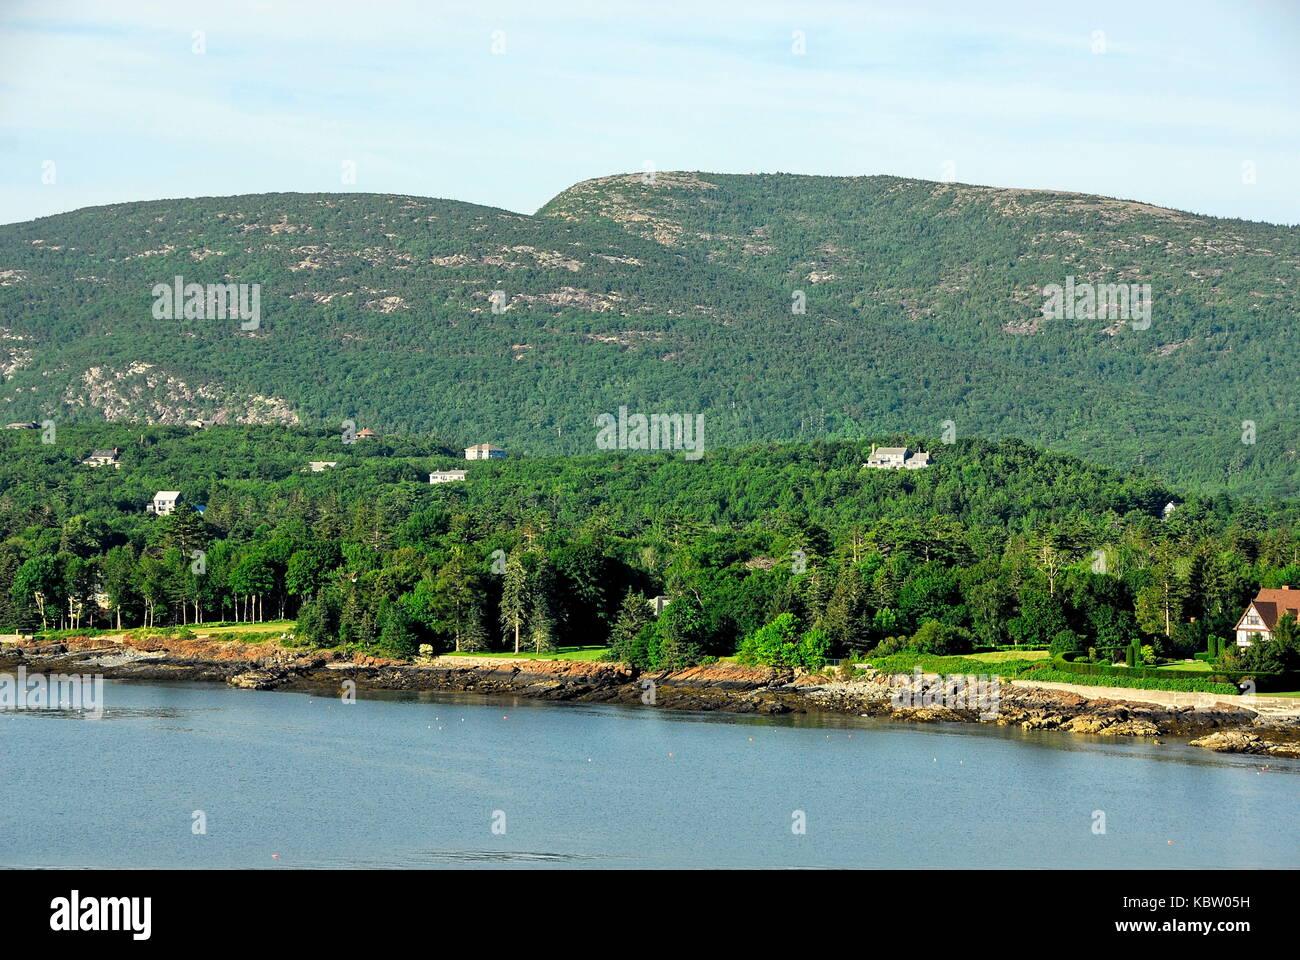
[(1137, 682), (1263, 681)]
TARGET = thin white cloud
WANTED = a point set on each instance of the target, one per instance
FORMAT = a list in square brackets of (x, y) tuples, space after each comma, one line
[(413, 94)]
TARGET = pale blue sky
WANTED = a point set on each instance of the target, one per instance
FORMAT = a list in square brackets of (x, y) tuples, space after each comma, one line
[(1007, 93)]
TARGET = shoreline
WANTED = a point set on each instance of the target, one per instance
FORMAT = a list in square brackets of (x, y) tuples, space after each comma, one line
[(732, 688)]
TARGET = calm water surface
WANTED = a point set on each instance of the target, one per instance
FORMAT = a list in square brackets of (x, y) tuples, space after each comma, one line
[(413, 780)]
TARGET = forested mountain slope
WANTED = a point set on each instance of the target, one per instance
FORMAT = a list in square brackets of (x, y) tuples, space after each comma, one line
[(923, 305)]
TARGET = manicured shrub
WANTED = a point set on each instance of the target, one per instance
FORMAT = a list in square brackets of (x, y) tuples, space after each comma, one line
[(940, 639), (1066, 641), (890, 646)]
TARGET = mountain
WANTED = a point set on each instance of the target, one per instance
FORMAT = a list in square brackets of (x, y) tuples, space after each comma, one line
[(923, 306)]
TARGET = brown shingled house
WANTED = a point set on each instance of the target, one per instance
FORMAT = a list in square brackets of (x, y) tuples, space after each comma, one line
[(1261, 617)]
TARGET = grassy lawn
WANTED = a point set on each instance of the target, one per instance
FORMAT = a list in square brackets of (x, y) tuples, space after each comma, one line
[(1003, 665), (1002, 656), (278, 625), (560, 653), (1200, 666)]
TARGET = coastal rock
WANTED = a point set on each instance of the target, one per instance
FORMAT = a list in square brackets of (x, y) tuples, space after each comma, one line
[(1088, 724), (930, 714), (1130, 728), (725, 677), (1107, 725), (1237, 741), (1232, 741), (44, 650), (1049, 722), (256, 680)]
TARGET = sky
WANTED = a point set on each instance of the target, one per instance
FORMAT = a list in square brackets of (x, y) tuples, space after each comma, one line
[(1187, 104)]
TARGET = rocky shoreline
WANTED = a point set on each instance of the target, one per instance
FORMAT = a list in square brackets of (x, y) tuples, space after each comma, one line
[(721, 687)]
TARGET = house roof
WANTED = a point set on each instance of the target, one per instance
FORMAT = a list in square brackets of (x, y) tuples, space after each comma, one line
[(167, 495), (103, 453), (1272, 604), (485, 446), (891, 451)]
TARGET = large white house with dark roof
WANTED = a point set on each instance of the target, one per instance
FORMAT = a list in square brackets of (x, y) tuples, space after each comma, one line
[(897, 458), (103, 458)]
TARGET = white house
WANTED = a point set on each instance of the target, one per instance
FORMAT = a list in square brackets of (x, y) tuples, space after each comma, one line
[(102, 458), (320, 466), (1261, 617), (484, 451), (164, 502), (658, 604), (447, 476), (897, 458)]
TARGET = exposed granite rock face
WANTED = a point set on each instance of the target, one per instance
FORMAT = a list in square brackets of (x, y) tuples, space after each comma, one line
[(719, 687)]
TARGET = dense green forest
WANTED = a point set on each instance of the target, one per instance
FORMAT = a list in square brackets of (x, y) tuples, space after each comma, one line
[(997, 543), (922, 307)]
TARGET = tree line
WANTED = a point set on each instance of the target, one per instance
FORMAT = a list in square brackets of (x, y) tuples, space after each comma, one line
[(790, 551)]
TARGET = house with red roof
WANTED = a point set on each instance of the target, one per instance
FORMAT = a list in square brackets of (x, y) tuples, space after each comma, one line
[(1261, 617)]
